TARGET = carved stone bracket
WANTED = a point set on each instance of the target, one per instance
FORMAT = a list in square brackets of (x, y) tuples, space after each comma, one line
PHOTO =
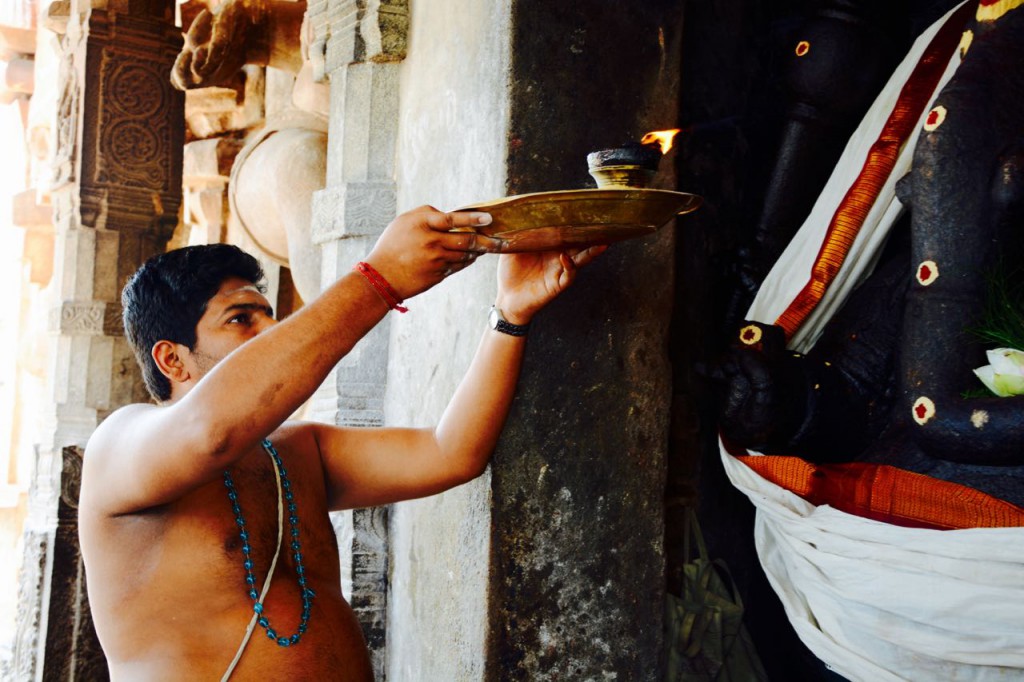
[(334, 34)]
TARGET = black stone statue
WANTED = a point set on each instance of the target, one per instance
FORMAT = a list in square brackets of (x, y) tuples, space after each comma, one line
[(891, 379)]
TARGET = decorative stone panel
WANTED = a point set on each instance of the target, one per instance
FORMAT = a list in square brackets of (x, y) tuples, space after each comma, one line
[(132, 137)]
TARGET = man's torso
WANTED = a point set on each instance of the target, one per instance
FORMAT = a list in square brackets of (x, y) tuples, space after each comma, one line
[(168, 590)]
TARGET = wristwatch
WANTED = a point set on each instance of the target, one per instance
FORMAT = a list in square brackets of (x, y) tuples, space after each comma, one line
[(499, 323)]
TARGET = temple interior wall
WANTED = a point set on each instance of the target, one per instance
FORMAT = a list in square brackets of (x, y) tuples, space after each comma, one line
[(452, 145)]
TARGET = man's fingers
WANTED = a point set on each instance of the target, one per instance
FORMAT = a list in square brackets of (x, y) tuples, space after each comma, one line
[(471, 241), (456, 219), (584, 256)]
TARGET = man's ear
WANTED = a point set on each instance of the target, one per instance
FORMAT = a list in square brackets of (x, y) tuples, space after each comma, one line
[(167, 356)]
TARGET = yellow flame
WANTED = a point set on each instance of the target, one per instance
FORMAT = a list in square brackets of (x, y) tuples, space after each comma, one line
[(662, 137)]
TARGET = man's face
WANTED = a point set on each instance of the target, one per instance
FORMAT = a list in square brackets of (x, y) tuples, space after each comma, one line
[(235, 314)]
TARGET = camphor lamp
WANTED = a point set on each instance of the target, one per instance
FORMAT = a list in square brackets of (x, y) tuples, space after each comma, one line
[(632, 165)]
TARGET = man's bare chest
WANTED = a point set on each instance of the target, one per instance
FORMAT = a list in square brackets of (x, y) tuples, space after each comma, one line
[(266, 507)]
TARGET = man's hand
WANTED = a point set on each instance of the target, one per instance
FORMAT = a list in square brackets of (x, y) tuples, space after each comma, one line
[(418, 250), (529, 281)]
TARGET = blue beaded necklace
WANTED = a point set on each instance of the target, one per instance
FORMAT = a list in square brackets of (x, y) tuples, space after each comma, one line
[(250, 579)]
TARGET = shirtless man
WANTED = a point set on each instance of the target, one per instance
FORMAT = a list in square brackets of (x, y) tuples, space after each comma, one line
[(166, 558)]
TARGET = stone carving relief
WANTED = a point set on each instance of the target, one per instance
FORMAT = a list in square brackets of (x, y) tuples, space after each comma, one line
[(70, 483), (130, 120), (370, 580), (30, 588), (238, 32), (72, 648), (274, 215), (133, 135), (79, 318), (67, 117)]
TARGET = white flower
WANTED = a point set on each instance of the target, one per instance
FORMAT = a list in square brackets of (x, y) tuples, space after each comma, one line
[(1004, 375)]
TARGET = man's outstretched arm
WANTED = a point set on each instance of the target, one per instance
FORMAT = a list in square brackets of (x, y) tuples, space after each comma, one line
[(147, 455), (367, 467)]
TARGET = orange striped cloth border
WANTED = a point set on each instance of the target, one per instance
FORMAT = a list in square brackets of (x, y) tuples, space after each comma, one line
[(853, 209), (887, 493)]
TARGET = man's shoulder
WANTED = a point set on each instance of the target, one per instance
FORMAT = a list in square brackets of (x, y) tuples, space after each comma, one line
[(117, 438), (121, 418)]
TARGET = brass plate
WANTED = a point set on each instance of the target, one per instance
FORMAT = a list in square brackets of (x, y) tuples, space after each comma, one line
[(546, 221)]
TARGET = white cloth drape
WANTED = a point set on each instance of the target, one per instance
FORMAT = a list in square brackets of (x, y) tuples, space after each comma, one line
[(878, 602)]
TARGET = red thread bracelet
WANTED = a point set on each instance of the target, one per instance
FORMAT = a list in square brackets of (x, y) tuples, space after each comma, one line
[(381, 286)]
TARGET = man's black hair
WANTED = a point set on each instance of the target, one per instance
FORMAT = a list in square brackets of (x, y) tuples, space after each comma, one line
[(165, 298)]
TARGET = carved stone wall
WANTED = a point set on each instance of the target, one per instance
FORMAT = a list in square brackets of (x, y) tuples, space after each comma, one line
[(116, 194), (30, 590)]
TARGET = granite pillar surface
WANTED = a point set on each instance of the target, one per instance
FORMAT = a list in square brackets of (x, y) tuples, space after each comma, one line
[(357, 47), (579, 475)]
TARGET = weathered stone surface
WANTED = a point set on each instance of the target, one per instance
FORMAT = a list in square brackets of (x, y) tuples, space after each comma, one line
[(352, 210), (579, 476), (25, 659), (451, 151), (72, 651)]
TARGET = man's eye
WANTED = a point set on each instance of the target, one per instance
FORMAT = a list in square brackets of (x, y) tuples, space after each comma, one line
[(241, 318)]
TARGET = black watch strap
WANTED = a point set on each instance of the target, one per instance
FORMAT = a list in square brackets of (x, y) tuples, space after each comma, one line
[(499, 323)]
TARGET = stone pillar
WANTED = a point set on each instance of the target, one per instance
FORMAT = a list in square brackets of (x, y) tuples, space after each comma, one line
[(116, 195), (551, 565), (207, 167), (578, 579), (72, 650), (357, 46)]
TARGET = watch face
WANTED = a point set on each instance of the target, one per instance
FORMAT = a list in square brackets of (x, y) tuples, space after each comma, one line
[(493, 318)]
